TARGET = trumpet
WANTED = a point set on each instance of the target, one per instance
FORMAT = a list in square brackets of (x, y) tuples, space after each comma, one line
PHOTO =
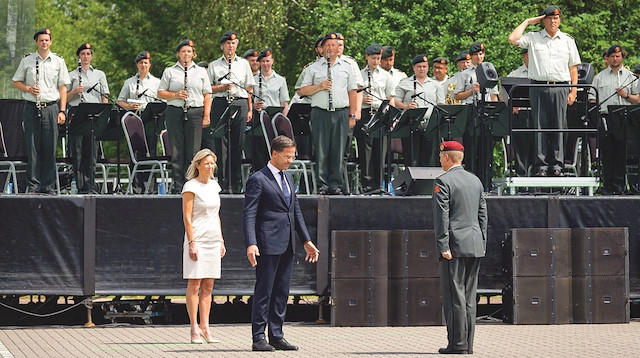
[(450, 97), (329, 78), (184, 105), (38, 104)]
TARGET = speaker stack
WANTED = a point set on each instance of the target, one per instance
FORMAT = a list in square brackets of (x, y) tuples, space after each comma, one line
[(559, 276), (382, 278)]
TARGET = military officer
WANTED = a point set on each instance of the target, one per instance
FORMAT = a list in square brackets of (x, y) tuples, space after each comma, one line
[(225, 74), (387, 60), (333, 102), (467, 83), (463, 60), (79, 145), (251, 55), (319, 53), (354, 68), (440, 68), (42, 78)]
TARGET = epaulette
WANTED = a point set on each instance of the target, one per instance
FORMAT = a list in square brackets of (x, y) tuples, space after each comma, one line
[(53, 53), (308, 64), (26, 55)]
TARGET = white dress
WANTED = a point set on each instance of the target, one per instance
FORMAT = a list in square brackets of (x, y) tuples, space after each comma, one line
[(206, 231)]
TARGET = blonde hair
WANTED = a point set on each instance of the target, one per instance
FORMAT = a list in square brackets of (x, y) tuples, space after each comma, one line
[(456, 156), (192, 171)]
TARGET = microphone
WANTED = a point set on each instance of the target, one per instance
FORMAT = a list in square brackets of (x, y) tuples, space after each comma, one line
[(223, 77), (93, 87), (363, 89), (416, 95)]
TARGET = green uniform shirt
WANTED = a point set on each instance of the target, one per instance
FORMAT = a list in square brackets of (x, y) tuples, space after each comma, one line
[(397, 76), (430, 90), (240, 74), (465, 81), (197, 84), (89, 79), (381, 85), (606, 82), (342, 78), (52, 72), (550, 58), (274, 90), (132, 89)]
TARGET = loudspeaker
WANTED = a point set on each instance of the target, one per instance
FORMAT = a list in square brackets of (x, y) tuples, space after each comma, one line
[(585, 73), (416, 180), (487, 75), (538, 300), (602, 251), (422, 254), (601, 299), (540, 252), (359, 254), (359, 302), (415, 302)]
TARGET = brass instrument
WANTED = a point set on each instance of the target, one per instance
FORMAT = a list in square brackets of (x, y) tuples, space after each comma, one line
[(38, 104), (80, 80), (184, 105), (450, 97), (329, 79)]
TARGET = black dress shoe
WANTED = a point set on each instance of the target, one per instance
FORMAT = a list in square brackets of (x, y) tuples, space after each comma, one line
[(452, 351), (282, 345), (261, 345), (541, 173), (335, 192), (557, 173)]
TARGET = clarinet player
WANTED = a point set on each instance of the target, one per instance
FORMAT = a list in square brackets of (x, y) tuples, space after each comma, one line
[(42, 78), (186, 88)]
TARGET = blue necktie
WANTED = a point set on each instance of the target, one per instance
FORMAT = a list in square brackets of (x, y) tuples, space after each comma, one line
[(285, 188)]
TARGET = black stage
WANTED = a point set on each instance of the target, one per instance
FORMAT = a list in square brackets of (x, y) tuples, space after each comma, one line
[(87, 245)]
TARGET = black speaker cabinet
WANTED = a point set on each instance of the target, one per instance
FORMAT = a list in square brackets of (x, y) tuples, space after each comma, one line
[(359, 254), (422, 254), (538, 300), (397, 254), (601, 299), (585, 73), (415, 302), (602, 251), (487, 75), (540, 252), (359, 302), (416, 180)]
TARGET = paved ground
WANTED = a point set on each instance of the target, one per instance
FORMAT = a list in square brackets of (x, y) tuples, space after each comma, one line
[(492, 340)]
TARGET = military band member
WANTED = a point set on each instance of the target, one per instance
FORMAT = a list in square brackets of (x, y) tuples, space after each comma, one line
[(440, 68), (387, 60), (333, 102), (423, 152), (251, 55), (356, 72), (188, 109), (317, 47), (467, 83), (79, 145), (45, 92), (224, 84), (380, 85), (463, 60), (553, 59), (615, 79)]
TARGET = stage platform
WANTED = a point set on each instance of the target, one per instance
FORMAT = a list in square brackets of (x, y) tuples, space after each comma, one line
[(117, 245)]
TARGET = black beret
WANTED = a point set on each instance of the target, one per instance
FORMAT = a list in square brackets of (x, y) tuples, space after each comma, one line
[(229, 35), (42, 32), (614, 49), (250, 53), (143, 55), (419, 59), (551, 10), (330, 36), (374, 49), (84, 46), (523, 51), (318, 41), (184, 43), (464, 55), (476, 47), (441, 60), (203, 64), (264, 53), (387, 51)]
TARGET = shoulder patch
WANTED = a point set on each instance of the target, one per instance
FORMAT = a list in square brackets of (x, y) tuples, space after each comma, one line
[(53, 53), (26, 55), (436, 189), (308, 64)]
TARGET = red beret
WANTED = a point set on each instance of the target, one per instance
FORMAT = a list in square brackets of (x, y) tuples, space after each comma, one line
[(451, 145)]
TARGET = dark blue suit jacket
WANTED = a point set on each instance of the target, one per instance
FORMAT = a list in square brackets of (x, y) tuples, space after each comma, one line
[(267, 220)]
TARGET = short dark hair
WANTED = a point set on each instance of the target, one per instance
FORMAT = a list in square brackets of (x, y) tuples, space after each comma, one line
[(279, 143)]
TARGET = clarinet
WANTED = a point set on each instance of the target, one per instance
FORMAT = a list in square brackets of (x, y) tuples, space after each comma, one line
[(184, 105), (229, 98), (138, 91), (370, 89), (260, 87), (329, 78), (80, 80), (38, 104)]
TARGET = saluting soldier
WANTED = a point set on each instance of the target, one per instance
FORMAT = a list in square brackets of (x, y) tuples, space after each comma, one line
[(380, 86), (42, 78), (251, 55), (467, 82), (387, 60), (79, 145), (334, 106), (225, 74), (419, 91)]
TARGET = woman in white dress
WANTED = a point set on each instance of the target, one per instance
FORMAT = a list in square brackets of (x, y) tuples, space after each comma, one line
[(203, 243)]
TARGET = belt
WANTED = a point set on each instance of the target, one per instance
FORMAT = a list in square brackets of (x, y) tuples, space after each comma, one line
[(550, 82), (335, 109), (43, 104), (188, 107)]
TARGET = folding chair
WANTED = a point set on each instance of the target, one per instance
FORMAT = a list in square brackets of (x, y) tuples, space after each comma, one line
[(282, 126)]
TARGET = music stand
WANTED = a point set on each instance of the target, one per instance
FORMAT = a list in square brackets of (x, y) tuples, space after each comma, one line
[(406, 124), (151, 117), (300, 116), (453, 116), (90, 119), (520, 95)]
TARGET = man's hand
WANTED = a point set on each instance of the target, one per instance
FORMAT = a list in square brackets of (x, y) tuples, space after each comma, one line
[(312, 252), (252, 253), (535, 20), (447, 254), (61, 118), (572, 96)]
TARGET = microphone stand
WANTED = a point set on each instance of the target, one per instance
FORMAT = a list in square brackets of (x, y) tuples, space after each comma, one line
[(445, 114)]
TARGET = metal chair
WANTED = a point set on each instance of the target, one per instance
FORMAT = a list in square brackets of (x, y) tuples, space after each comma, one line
[(134, 133), (282, 126)]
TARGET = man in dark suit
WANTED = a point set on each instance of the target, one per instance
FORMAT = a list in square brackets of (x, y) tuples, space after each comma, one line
[(270, 217), (460, 222)]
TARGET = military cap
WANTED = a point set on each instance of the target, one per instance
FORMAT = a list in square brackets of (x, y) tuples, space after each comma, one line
[(476, 47), (264, 53), (614, 49), (551, 10), (318, 41), (42, 32), (388, 51), (229, 35), (250, 53), (143, 55), (637, 69), (441, 60), (451, 145), (374, 49), (184, 43), (605, 54), (84, 46), (203, 64), (419, 59), (523, 51), (464, 55), (330, 36)]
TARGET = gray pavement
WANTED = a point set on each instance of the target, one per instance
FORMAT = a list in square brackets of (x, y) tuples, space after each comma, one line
[(492, 340)]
